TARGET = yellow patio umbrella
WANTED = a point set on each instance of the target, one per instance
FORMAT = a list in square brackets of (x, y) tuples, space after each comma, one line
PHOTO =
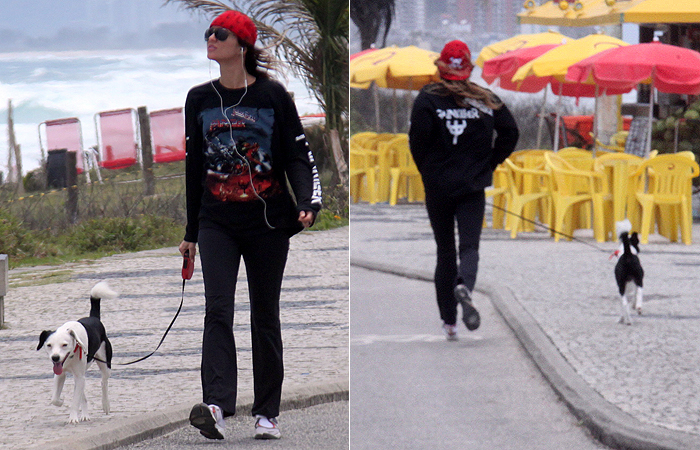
[(577, 13), (518, 42), (555, 63), (395, 67), (664, 11)]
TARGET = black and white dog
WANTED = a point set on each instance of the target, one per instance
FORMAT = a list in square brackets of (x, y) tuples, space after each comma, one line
[(73, 347), (628, 271)]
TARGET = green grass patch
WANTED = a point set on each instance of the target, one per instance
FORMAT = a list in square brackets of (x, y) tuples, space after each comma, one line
[(113, 217)]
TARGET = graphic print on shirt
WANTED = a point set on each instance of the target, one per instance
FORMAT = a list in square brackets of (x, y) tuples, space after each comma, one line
[(456, 118), (238, 155)]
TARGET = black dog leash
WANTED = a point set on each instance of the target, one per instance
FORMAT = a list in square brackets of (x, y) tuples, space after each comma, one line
[(540, 224), (187, 270)]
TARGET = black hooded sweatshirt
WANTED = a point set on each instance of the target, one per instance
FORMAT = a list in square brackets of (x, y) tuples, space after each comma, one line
[(453, 144)]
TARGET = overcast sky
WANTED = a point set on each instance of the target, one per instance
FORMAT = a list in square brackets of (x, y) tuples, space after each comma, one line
[(76, 24)]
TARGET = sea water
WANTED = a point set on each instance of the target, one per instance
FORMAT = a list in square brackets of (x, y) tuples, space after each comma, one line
[(47, 86)]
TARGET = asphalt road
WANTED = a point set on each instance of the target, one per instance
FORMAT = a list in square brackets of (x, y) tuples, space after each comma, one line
[(320, 427), (413, 390)]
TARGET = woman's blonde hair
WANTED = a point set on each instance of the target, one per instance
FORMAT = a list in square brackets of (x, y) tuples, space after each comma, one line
[(465, 89)]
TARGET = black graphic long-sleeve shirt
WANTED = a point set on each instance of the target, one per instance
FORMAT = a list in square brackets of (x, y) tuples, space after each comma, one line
[(453, 144), (241, 150)]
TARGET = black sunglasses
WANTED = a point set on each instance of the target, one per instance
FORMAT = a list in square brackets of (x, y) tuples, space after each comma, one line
[(221, 34)]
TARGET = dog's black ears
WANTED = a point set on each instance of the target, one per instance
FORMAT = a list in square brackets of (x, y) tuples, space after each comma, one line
[(42, 338), (634, 240)]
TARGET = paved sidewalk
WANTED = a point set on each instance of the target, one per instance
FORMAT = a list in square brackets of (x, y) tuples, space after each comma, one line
[(634, 386), (152, 394)]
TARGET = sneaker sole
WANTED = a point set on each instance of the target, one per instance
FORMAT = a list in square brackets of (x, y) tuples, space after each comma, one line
[(201, 418), (470, 316), (267, 435)]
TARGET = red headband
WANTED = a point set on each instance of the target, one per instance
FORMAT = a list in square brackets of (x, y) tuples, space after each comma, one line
[(239, 24)]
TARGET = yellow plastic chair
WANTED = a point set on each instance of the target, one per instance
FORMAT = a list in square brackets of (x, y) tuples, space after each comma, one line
[(668, 178), (362, 176), (574, 152), (405, 180), (617, 142), (577, 157), (362, 139), (387, 152), (687, 154), (580, 159), (366, 142), (519, 196), (530, 159), (498, 193), (573, 190), (663, 217), (619, 187)]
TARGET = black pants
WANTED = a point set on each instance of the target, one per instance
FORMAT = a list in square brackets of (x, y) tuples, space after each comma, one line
[(265, 256), (468, 210)]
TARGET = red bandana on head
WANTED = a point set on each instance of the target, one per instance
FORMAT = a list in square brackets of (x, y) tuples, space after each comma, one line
[(455, 61), (238, 24)]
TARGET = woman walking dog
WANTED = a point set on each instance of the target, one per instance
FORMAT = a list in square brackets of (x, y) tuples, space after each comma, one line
[(244, 141), (452, 143)]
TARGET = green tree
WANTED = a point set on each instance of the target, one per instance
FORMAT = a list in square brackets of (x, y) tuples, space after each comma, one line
[(369, 16), (312, 37)]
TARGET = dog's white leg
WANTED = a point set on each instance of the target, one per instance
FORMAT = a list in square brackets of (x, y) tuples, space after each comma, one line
[(84, 416), (78, 409), (105, 386), (639, 300), (625, 308), (58, 382)]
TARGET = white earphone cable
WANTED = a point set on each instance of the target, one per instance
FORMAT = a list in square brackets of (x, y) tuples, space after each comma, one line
[(233, 142)]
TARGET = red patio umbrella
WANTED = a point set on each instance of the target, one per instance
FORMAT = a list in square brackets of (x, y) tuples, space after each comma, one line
[(503, 67), (668, 68)]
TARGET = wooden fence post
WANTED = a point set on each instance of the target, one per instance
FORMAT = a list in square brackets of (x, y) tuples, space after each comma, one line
[(146, 152), (4, 275), (72, 189)]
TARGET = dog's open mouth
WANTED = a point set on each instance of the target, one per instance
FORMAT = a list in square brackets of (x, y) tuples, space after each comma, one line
[(58, 365)]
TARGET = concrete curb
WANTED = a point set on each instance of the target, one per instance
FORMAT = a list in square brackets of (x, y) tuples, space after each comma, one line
[(136, 429), (607, 423)]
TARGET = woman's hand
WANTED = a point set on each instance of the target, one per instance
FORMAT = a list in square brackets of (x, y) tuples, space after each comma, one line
[(306, 218), (191, 246)]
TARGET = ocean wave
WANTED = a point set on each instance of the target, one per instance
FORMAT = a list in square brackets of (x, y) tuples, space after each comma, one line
[(53, 85)]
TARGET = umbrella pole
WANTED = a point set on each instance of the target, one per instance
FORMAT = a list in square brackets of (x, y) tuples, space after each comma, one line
[(651, 117), (396, 112), (409, 103), (541, 124), (557, 121), (375, 94), (595, 121)]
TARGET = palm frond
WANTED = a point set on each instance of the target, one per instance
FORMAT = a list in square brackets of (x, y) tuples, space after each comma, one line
[(310, 36), (208, 7)]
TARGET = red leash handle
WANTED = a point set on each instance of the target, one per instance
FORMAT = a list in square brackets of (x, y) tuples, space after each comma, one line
[(187, 266)]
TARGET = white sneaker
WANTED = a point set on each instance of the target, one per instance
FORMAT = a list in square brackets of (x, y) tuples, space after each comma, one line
[(209, 419), (266, 428), (450, 332), (470, 316)]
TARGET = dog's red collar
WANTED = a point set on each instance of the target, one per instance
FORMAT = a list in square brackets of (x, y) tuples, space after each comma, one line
[(79, 350)]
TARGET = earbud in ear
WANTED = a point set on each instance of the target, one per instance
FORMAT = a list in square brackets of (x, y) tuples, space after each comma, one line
[(241, 50)]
